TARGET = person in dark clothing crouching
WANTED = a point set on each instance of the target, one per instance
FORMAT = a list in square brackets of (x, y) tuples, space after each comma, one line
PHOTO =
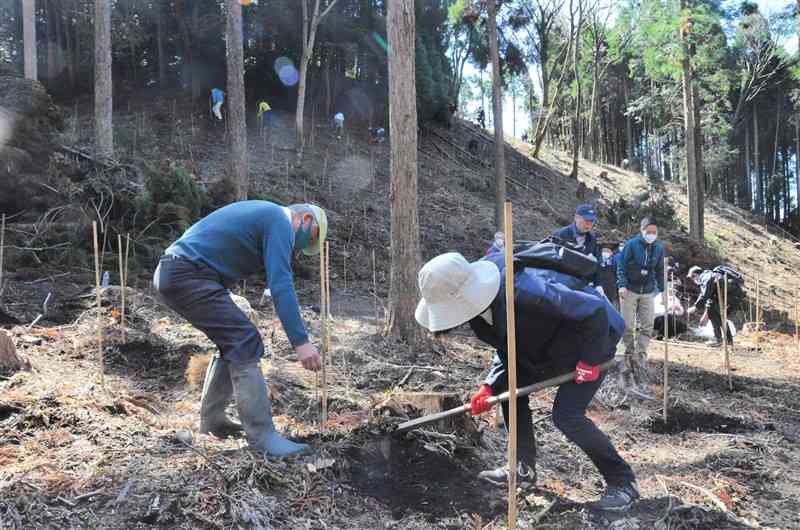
[(562, 324), (708, 299)]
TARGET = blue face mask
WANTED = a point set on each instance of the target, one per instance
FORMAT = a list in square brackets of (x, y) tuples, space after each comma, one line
[(303, 236)]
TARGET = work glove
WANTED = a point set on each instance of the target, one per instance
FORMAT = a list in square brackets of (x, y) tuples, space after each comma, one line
[(478, 402), (585, 373)]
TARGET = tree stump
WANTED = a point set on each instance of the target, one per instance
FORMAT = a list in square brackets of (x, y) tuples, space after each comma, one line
[(10, 362)]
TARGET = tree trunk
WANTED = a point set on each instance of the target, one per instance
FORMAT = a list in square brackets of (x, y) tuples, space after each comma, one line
[(577, 133), (309, 36), (162, 61), (194, 38), (237, 122), (757, 164), (693, 178), (797, 159), (405, 250), (103, 103), (29, 37), (628, 125), (497, 111), (746, 180), (70, 46)]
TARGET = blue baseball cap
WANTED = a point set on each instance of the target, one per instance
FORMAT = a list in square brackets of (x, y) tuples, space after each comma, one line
[(586, 211)]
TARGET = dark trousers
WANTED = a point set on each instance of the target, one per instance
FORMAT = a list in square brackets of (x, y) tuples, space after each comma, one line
[(569, 416), (196, 292), (716, 322)]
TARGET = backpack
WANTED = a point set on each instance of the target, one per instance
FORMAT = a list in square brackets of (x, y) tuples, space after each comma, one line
[(554, 254), (734, 277), (735, 283)]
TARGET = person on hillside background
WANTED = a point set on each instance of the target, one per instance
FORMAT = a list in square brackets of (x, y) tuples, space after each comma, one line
[(607, 274), (708, 299), (338, 124), (264, 115), (579, 234), (640, 277), (217, 99), (562, 326), (193, 278), (498, 244)]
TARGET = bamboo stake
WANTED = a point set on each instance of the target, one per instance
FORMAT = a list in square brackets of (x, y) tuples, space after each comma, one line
[(796, 316), (328, 289), (127, 253), (512, 370), (666, 338), (344, 265), (725, 335), (2, 251), (375, 293), (323, 266), (758, 300), (97, 296), (121, 285)]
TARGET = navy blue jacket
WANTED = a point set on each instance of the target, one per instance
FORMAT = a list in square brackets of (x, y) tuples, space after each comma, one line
[(570, 235), (638, 256), (559, 321)]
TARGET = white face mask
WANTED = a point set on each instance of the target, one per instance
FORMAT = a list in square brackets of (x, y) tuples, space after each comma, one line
[(649, 238), (606, 255)]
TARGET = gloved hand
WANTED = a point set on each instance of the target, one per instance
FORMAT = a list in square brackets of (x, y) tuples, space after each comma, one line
[(585, 373), (478, 401)]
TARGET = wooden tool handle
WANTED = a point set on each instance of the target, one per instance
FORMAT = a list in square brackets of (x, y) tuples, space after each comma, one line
[(524, 391)]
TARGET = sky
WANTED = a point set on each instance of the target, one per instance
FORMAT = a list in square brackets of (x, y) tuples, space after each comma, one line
[(767, 7)]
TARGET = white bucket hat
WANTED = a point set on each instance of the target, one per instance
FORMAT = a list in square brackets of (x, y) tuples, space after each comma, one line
[(455, 291)]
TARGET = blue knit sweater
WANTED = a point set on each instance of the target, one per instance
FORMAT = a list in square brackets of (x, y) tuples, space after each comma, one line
[(244, 238)]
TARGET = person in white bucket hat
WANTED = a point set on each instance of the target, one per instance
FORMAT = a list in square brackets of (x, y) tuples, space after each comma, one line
[(562, 325)]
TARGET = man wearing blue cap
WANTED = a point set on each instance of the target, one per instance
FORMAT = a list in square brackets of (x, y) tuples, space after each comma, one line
[(579, 234)]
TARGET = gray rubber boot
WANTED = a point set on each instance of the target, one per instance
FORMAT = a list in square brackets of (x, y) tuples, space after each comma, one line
[(255, 412), (217, 393)]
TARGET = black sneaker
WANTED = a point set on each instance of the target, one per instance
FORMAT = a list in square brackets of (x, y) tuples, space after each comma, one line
[(526, 476), (617, 498)]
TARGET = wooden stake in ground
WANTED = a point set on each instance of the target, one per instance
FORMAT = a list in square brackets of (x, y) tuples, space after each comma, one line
[(127, 254), (666, 337), (2, 250), (121, 285), (375, 293), (724, 330), (97, 296), (328, 290), (323, 305), (796, 316), (725, 334), (512, 370), (758, 299)]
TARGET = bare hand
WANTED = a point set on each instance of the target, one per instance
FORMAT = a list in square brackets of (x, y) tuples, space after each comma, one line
[(623, 291), (704, 320), (308, 356), (691, 310)]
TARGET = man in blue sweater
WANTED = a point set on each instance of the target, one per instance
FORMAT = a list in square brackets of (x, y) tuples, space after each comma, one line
[(640, 276), (193, 278), (562, 325)]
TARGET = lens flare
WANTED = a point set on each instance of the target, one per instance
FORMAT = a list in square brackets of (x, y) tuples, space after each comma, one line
[(286, 71)]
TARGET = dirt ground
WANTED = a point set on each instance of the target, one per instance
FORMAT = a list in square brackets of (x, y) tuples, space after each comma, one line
[(77, 454)]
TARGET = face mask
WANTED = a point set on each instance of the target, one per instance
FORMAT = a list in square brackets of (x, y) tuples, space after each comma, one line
[(302, 237), (606, 255), (499, 243), (649, 238)]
